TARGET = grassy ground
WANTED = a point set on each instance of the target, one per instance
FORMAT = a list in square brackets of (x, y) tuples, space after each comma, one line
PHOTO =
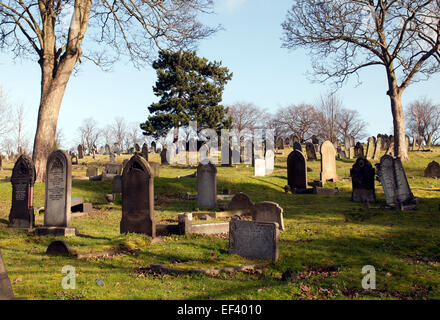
[(327, 241)]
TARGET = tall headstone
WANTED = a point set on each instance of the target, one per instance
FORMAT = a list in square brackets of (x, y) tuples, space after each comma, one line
[(370, 148), (269, 159), (395, 185), (280, 143), (259, 167), (153, 146), (362, 177), (163, 157), (58, 195), (297, 146), (206, 185), (137, 148), (145, 151), (80, 151), (328, 162), (107, 149), (138, 198), (378, 148), (23, 179), (255, 240), (310, 150), (359, 150), (296, 170)]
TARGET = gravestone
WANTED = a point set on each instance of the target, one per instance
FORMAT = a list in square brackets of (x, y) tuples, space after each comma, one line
[(269, 158), (297, 146), (92, 171), (370, 148), (6, 292), (59, 248), (145, 151), (74, 158), (80, 151), (378, 148), (395, 185), (163, 157), (154, 168), (432, 170), (137, 148), (359, 150), (138, 198), (351, 153), (22, 180), (296, 170), (328, 162), (310, 150), (1, 162), (206, 185), (57, 206), (362, 176), (240, 201), (315, 140), (259, 167), (153, 146), (267, 211), (111, 170), (254, 240), (107, 149), (112, 157), (117, 184), (280, 143)]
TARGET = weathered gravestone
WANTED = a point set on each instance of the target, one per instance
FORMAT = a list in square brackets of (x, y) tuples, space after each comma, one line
[(153, 146), (117, 184), (259, 167), (432, 170), (107, 149), (138, 198), (92, 171), (310, 150), (22, 180), (112, 157), (395, 185), (296, 170), (255, 240), (145, 151), (163, 157), (240, 201), (80, 151), (137, 148), (370, 148), (378, 148), (359, 150), (267, 211), (6, 292), (362, 176), (57, 206), (74, 158), (280, 143), (328, 162), (111, 170), (206, 185), (59, 248)]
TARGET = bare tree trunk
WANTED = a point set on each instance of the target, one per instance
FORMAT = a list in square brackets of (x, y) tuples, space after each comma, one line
[(400, 148)]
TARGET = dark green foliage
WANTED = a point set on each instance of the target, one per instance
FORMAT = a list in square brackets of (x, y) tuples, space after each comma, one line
[(190, 89)]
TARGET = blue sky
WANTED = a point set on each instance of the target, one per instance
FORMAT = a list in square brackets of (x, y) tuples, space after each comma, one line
[(250, 46)]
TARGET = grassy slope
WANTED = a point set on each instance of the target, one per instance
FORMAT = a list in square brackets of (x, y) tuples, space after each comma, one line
[(328, 239)]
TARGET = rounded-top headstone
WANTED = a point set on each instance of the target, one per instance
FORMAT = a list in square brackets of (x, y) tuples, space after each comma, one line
[(59, 248), (240, 201)]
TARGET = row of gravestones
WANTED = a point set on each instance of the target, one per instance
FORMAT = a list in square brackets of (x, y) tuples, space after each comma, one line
[(57, 208), (115, 149)]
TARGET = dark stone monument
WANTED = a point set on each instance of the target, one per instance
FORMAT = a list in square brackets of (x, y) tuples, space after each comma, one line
[(296, 170), (163, 157), (138, 198), (206, 185), (359, 150), (59, 248), (310, 150), (280, 143), (137, 148), (432, 170), (297, 146), (255, 240), (145, 151), (153, 146), (22, 180), (362, 177)]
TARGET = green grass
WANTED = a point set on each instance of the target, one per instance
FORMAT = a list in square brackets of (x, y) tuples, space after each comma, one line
[(327, 241)]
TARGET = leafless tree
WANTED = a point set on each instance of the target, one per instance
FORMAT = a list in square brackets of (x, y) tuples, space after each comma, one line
[(329, 108), (246, 115), (134, 135), (51, 32), (350, 123), (89, 133), (344, 36), (298, 119), (5, 114), (118, 131), (59, 137), (423, 118)]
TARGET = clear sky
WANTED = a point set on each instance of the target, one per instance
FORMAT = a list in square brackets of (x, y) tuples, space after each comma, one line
[(250, 46)]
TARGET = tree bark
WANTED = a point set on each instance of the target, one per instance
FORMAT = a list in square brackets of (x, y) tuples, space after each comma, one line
[(400, 147)]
